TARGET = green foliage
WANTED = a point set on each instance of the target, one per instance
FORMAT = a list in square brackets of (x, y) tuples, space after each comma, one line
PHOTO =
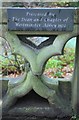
[(58, 63), (46, 4), (68, 57), (68, 4), (54, 66), (53, 63), (17, 4), (11, 64), (74, 4)]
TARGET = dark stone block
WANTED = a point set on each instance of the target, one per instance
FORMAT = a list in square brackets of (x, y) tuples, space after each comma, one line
[(34, 107)]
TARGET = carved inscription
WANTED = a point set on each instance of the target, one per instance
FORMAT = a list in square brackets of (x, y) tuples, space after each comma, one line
[(40, 19)]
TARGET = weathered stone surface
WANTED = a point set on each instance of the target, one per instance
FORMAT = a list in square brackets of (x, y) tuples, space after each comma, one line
[(56, 101), (34, 79), (75, 81)]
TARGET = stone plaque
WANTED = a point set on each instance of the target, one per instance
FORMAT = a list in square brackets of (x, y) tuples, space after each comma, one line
[(40, 19)]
